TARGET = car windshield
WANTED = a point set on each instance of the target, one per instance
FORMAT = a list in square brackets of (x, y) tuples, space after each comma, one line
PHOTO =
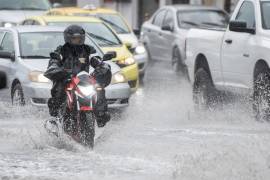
[(39, 45), (116, 22), (265, 6), (24, 5), (202, 18), (102, 34)]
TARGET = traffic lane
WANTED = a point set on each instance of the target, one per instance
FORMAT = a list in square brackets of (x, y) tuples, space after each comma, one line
[(158, 136), (161, 126)]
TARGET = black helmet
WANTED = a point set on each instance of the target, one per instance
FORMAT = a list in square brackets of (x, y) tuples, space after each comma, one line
[(74, 35)]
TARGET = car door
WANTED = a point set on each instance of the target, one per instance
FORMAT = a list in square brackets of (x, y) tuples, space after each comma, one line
[(154, 35), (167, 37), (237, 53), (6, 64)]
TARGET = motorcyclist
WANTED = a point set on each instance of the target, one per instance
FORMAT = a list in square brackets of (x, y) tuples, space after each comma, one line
[(76, 56)]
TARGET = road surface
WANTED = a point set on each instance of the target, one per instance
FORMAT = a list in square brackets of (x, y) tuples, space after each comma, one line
[(159, 136)]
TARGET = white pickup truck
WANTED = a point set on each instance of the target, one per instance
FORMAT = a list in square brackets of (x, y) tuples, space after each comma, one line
[(236, 59)]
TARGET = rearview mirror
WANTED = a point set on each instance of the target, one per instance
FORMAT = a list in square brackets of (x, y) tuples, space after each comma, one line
[(7, 55), (240, 26), (167, 28), (109, 56)]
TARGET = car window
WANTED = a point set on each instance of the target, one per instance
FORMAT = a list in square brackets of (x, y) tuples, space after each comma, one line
[(91, 42), (116, 22), (36, 23), (265, 8), (8, 43), (100, 32), (158, 19), (247, 14), (25, 5), (41, 44), (202, 18), (168, 21), (28, 22)]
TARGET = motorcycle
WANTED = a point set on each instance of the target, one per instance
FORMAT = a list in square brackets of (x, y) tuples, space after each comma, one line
[(76, 116)]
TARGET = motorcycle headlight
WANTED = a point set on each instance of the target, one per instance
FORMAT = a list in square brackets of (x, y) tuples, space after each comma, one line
[(37, 76), (87, 90), (128, 61), (140, 49), (118, 78)]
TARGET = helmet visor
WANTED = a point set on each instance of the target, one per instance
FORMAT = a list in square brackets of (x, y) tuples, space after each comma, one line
[(76, 40)]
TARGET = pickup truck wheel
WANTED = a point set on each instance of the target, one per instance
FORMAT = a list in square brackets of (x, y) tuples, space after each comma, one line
[(17, 96), (203, 90), (261, 100)]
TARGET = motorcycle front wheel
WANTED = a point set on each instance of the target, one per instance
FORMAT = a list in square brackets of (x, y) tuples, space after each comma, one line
[(87, 128)]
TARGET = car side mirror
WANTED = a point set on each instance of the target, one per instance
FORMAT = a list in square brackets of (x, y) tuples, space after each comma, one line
[(240, 26), (57, 5), (167, 28), (109, 56), (7, 55), (128, 45)]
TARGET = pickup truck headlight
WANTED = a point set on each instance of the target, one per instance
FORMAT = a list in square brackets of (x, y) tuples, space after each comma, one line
[(118, 78), (126, 62), (37, 76), (140, 49)]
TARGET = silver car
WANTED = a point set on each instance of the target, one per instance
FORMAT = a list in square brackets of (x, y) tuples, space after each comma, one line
[(24, 57), (14, 11), (165, 32)]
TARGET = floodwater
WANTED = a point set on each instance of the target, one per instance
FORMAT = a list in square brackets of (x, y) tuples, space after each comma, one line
[(159, 136)]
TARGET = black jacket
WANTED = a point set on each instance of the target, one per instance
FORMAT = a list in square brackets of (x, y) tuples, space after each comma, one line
[(67, 59)]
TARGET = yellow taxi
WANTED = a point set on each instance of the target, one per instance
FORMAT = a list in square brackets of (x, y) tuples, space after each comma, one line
[(105, 37), (119, 25)]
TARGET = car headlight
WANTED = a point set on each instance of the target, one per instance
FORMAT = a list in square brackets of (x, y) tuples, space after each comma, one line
[(7, 24), (118, 78), (37, 76), (140, 49), (128, 61)]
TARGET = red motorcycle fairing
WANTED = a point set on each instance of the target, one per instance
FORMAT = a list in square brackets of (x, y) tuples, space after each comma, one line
[(72, 89)]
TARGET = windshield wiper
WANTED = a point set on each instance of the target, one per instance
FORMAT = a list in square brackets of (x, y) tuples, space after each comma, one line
[(213, 24), (190, 23), (35, 57), (7, 8), (102, 39), (33, 8), (114, 25)]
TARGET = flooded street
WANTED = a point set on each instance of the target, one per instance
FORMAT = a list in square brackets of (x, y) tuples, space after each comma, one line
[(159, 136)]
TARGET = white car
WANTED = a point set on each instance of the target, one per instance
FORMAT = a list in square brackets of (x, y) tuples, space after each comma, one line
[(24, 57), (236, 59), (164, 34), (12, 12)]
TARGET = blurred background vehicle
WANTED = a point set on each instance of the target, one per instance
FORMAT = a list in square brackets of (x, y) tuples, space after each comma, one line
[(103, 35), (14, 11), (117, 22), (24, 56), (164, 34)]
